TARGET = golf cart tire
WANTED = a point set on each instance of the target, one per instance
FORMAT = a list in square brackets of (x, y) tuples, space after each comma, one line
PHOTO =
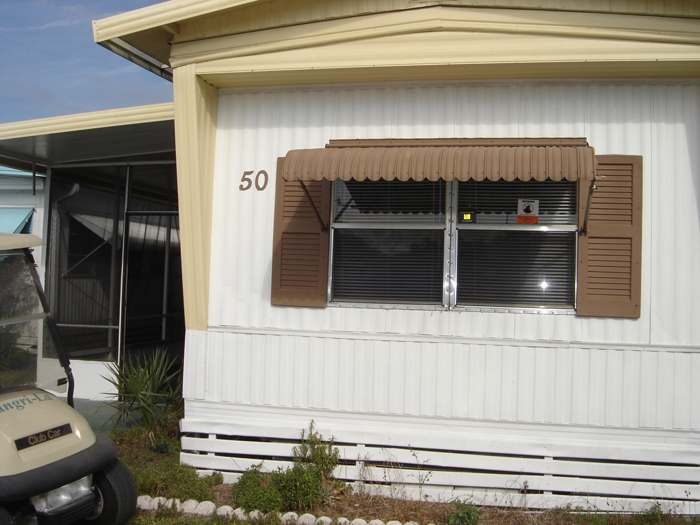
[(116, 494), (6, 518)]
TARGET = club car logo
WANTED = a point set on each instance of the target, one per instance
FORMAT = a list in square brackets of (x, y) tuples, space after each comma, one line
[(41, 437), (23, 402)]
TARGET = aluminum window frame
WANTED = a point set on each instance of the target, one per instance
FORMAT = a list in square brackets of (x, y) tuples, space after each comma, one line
[(451, 228)]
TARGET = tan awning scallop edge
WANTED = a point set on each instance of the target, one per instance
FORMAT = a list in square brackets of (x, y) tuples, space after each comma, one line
[(447, 162)]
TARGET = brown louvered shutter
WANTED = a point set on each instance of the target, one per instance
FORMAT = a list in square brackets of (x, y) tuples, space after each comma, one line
[(610, 255), (300, 253)]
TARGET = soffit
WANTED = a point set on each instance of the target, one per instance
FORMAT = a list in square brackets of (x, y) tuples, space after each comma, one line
[(104, 135)]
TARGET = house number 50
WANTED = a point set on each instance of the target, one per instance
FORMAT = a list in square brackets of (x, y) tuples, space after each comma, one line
[(260, 180)]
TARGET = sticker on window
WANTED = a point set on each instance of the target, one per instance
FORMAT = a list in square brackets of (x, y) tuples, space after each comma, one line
[(528, 211)]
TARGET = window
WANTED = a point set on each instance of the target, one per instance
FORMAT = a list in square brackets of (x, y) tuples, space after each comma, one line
[(388, 241), (524, 223), (392, 242), (503, 263)]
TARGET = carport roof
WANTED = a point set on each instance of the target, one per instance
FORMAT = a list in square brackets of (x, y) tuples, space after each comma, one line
[(102, 136)]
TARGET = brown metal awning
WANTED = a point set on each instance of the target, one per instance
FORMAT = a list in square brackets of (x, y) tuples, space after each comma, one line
[(555, 162)]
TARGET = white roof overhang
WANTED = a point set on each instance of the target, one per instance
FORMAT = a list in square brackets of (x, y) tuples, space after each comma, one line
[(110, 135), (237, 43), (143, 35)]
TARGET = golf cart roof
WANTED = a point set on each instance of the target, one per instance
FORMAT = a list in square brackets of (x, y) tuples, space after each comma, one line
[(16, 241)]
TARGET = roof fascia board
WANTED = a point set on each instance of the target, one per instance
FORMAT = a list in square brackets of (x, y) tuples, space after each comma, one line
[(497, 21), (174, 12), (614, 70), (92, 120), (449, 50), (168, 14)]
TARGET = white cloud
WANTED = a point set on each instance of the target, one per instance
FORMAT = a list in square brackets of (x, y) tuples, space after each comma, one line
[(49, 25)]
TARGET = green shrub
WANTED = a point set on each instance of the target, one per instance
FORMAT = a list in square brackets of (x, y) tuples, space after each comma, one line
[(255, 490), (464, 515), (299, 487), (314, 451), (296, 489)]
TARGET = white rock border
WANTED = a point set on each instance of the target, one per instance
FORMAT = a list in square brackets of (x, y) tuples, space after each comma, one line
[(208, 508)]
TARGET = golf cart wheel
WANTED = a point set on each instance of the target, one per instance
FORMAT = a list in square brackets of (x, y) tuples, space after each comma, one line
[(116, 495), (6, 518)]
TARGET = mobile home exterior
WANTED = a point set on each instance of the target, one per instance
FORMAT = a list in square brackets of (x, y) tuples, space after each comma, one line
[(386, 228)]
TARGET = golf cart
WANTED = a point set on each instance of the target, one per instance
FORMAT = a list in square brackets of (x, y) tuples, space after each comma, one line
[(53, 468)]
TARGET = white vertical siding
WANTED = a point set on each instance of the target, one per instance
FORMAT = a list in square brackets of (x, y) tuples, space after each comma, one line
[(424, 112), (675, 221), (495, 366), (657, 121), (557, 110), (367, 113), (488, 111), (479, 381)]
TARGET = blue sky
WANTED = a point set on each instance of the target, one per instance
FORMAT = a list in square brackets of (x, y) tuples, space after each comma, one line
[(50, 65)]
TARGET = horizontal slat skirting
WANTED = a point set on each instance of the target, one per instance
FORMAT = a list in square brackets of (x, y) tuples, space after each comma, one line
[(452, 460), (471, 477)]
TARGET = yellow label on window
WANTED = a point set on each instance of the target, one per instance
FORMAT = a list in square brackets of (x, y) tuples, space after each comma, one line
[(467, 217)]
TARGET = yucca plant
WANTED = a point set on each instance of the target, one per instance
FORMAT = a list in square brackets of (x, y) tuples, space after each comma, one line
[(148, 389)]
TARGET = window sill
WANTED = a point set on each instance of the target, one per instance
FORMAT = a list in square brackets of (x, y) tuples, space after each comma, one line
[(478, 309)]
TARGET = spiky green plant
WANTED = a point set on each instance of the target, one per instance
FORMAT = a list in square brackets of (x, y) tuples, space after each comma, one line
[(148, 389)]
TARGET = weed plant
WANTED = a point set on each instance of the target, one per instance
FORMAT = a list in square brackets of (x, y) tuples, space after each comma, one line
[(464, 514), (153, 457), (168, 517), (654, 516)]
